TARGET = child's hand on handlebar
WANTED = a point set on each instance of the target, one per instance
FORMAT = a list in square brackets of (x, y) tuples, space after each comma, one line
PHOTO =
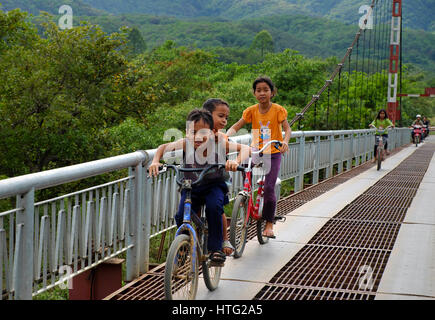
[(284, 147), (154, 169), (231, 165)]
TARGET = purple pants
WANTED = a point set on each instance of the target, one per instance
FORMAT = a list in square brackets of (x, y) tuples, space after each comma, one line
[(272, 164)]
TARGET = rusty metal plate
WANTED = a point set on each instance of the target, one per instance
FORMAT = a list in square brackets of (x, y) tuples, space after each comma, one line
[(274, 292), (332, 267), (357, 234), (383, 201), (375, 210)]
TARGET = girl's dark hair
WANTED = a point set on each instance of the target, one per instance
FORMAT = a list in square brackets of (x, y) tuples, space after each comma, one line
[(197, 115), (266, 80), (382, 110), (211, 104)]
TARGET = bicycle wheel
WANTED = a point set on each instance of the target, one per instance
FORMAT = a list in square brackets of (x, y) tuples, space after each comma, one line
[(379, 158), (181, 282), (261, 225), (238, 227), (212, 274)]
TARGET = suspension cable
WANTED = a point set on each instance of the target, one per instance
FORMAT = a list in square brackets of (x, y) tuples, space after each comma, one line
[(316, 97)]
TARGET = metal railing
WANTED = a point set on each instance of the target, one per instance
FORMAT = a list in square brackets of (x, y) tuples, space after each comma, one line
[(74, 232)]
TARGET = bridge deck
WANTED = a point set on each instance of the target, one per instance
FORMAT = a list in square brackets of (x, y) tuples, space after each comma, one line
[(360, 235)]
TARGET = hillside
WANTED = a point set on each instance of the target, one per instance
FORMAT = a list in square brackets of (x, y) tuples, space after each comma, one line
[(51, 6), (418, 14), (310, 36)]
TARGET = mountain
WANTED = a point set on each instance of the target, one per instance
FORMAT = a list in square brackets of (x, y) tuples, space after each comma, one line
[(51, 6), (311, 36), (418, 14)]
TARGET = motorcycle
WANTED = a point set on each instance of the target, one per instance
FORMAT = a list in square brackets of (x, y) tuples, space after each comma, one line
[(417, 132)]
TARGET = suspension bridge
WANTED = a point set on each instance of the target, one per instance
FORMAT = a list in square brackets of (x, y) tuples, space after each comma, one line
[(351, 232)]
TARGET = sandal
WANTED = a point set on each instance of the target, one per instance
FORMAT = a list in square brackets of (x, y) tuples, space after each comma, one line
[(269, 235), (227, 245), (217, 258)]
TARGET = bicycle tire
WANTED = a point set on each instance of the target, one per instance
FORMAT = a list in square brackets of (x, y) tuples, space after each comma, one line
[(261, 225), (212, 274), (181, 285), (379, 158), (238, 228)]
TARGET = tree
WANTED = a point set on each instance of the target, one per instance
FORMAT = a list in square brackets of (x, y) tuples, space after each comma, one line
[(136, 43), (54, 94), (264, 42)]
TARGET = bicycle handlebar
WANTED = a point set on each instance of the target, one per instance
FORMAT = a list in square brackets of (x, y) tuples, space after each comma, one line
[(202, 170), (276, 142)]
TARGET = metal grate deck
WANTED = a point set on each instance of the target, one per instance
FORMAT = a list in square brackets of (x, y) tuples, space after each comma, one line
[(327, 267), (358, 240)]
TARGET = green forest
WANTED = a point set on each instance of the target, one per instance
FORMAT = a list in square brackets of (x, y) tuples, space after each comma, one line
[(102, 89)]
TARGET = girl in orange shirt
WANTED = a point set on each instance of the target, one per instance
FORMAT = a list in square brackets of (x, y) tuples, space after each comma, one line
[(268, 121)]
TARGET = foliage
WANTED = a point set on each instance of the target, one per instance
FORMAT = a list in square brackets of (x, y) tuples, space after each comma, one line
[(136, 43), (51, 6), (53, 94), (77, 95), (312, 37), (418, 13), (263, 41)]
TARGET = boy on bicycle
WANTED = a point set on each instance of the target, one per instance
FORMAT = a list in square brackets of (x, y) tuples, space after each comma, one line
[(202, 147)]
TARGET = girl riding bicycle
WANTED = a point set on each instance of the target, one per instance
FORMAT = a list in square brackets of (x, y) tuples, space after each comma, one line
[(220, 111), (381, 123), (200, 149), (268, 120)]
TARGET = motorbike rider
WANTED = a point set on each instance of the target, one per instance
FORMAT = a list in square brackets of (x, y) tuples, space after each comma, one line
[(417, 122)]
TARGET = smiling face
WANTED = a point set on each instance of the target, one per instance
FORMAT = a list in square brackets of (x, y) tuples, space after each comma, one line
[(262, 93), (199, 132), (382, 115), (220, 116)]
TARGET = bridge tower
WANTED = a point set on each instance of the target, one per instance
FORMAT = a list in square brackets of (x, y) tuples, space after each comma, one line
[(395, 43)]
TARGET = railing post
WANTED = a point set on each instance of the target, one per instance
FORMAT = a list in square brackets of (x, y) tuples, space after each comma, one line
[(23, 271), (352, 148), (349, 158), (132, 266), (366, 143), (340, 164), (134, 254), (330, 170), (316, 160), (358, 148), (299, 180), (146, 224)]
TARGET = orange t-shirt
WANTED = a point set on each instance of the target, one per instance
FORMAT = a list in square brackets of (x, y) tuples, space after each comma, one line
[(265, 127)]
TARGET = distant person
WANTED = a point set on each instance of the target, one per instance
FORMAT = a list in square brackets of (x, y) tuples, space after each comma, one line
[(381, 123), (417, 123), (268, 120)]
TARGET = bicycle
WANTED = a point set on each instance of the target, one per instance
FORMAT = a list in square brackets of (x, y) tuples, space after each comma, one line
[(244, 210), (380, 154), (189, 248)]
